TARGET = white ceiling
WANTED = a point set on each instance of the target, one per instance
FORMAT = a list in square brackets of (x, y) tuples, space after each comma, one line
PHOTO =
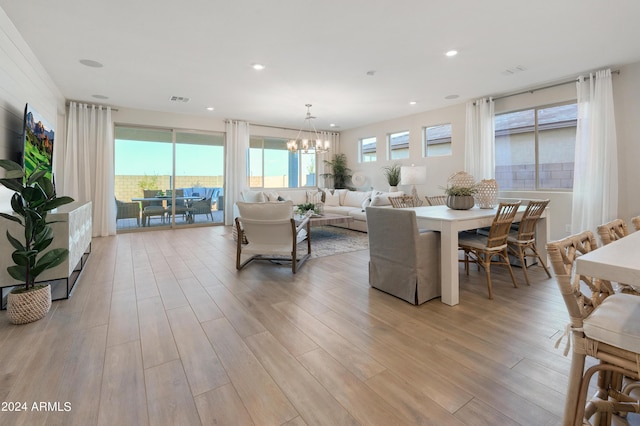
[(319, 52)]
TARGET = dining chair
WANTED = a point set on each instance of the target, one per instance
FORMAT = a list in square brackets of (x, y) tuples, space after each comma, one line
[(603, 325), (403, 260), (522, 243), (483, 250), (180, 205), (436, 200), (403, 201), (152, 207), (612, 231), (272, 233), (200, 207), (636, 222)]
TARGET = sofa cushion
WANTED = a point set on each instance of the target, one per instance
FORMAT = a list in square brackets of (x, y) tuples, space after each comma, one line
[(331, 199), (253, 197), (341, 193), (297, 196), (355, 198), (358, 215), (314, 197), (272, 196), (382, 198)]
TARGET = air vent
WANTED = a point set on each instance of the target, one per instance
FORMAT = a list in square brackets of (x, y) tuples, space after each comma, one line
[(514, 70), (179, 99)]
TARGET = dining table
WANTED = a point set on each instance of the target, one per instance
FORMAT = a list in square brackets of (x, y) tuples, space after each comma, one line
[(618, 261), (449, 222)]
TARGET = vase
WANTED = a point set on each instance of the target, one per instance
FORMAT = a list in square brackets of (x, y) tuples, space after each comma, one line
[(460, 202), (487, 195), (29, 306), (393, 189)]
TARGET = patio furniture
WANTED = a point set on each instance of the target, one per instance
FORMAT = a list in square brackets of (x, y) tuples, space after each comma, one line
[(128, 210), (483, 250), (200, 207), (403, 261), (522, 243), (151, 208), (272, 234), (180, 206)]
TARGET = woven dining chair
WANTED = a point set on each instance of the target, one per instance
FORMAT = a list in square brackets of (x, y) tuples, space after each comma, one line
[(636, 222), (612, 231), (436, 200), (403, 201), (522, 243), (603, 325), (482, 250)]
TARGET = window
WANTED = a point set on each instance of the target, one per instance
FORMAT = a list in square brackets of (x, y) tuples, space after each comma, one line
[(272, 165), (398, 145), (367, 150), (535, 148), (437, 140)]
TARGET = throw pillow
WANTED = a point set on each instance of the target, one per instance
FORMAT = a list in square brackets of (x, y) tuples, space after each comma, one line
[(332, 199), (355, 198), (314, 197), (272, 196), (366, 203), (280, 198), (253, 196)]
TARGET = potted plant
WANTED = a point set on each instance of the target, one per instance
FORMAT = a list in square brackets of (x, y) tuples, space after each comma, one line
[(340, 173), (460, 197), (392, 174), (31, 202)]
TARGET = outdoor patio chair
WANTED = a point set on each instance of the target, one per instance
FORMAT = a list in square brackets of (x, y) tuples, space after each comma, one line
[(128, 210), (180, 206), (492, 249), (200, 207), (152, 208), (403, 261), (603, 325), (272, 234)]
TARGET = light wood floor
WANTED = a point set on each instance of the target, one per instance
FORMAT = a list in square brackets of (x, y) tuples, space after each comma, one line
[(162, 330)]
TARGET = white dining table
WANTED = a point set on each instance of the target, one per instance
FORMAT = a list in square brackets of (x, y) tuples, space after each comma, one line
[(617, 261), (449, 222)]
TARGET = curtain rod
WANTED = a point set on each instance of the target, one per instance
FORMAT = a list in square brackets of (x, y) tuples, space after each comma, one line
[(92, 105), (276, 127), (546, 87)]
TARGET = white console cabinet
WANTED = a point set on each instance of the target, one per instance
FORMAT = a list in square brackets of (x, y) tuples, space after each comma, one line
[(72, 231)]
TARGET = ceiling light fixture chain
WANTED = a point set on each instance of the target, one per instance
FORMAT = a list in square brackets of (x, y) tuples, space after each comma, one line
[(312, 142)]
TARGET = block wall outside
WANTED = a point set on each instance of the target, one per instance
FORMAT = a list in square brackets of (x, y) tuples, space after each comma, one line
[(129, 186)]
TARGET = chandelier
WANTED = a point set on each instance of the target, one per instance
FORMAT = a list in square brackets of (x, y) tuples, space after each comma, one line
[(312, 141)]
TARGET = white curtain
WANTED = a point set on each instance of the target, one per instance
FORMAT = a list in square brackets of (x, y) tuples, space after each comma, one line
[(236, 169), (334, 141), (595, 178), (88, 163), (479, 157)]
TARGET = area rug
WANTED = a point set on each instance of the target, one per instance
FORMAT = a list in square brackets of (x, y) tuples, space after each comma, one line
[(330, 240)]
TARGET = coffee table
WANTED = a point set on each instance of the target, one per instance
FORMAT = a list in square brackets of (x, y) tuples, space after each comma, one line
[(329, 219)]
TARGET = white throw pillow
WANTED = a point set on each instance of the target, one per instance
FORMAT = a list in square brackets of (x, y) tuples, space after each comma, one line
[(272, 196), (355, 198), (253, 196), (366, 203), (332, 200), (382, 198), (314, 197)]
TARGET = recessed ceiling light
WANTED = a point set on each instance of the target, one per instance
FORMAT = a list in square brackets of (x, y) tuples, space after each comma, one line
[(412, 102), (452, 97), (258, 67), (210, 108), (91, 63), (451, 53), (100, 96), (332, 125)]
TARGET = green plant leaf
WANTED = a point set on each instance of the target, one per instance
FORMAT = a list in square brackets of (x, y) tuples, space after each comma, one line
[(10, 165), (12, 184), (49, 260), (57, 202), (23, 258), (11, 217), (15, 243), (35, 176), (18, 272)]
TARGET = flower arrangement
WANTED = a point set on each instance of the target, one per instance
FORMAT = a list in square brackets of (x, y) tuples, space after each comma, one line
[(305, 207)]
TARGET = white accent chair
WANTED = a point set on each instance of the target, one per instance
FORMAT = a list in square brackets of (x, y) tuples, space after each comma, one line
[(272, 234), (404, 261)]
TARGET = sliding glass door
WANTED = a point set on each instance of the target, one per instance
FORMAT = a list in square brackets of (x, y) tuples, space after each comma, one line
[(168, 178)]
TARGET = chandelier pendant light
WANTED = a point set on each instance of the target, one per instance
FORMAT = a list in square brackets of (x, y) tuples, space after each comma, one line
[(311, 140)]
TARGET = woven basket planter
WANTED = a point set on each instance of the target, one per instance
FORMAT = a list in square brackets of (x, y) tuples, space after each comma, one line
[(487, 195), (23, 308), (460, 202)]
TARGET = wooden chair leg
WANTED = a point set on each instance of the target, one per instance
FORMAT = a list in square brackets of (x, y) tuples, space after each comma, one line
[(544, 265), (523, 263)]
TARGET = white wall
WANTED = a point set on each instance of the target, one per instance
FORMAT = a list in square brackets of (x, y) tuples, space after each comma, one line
[(23, 80), (626, 86)]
